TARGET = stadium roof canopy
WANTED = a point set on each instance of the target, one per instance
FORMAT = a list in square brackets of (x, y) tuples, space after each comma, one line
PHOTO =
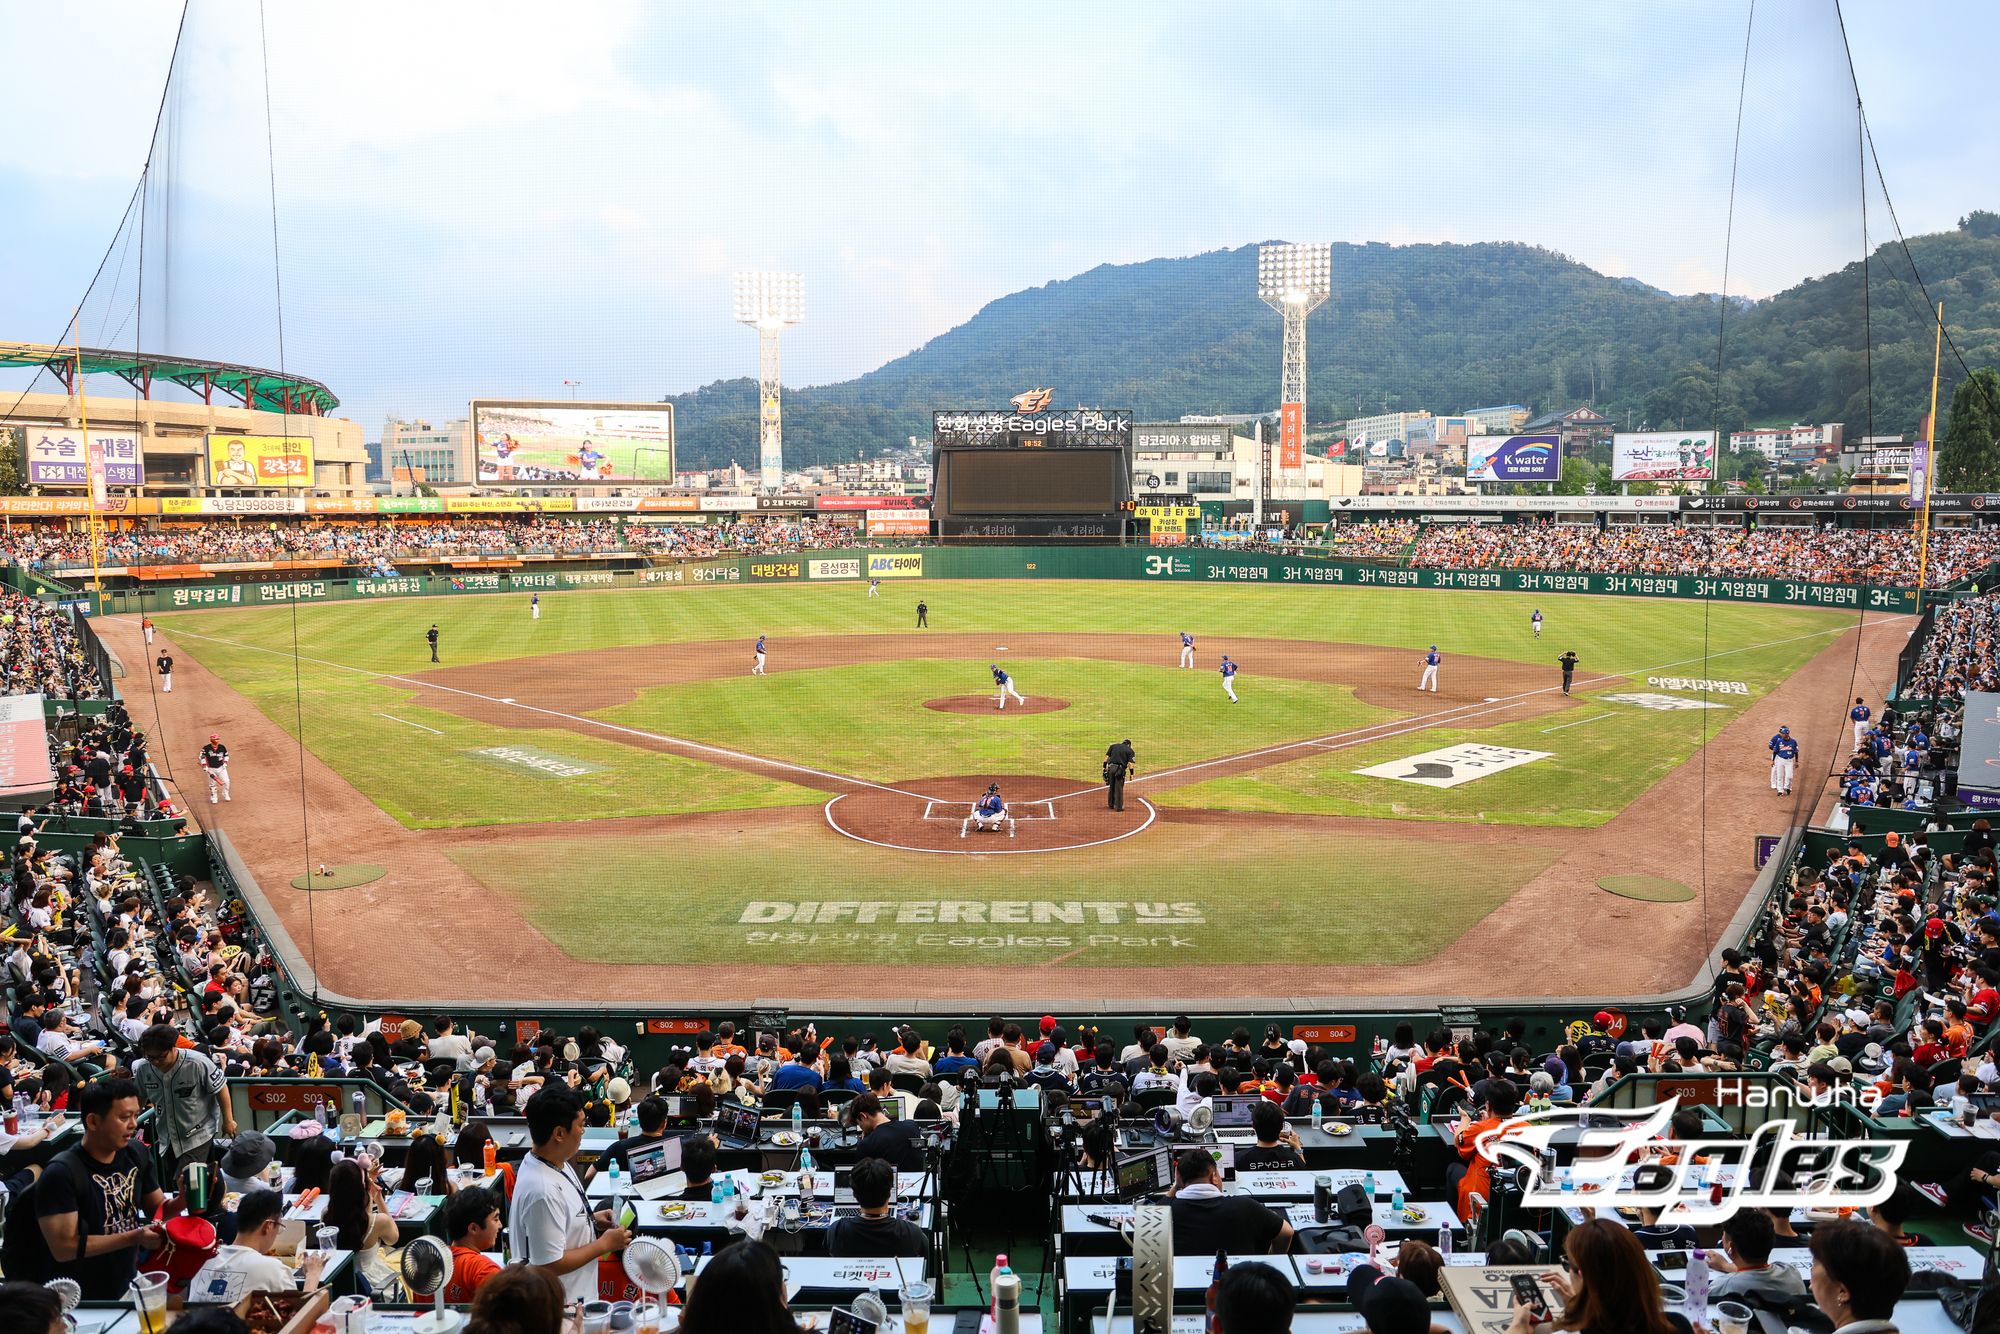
[(262, 390)]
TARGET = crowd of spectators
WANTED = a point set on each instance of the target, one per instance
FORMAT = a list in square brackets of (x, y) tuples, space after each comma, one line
[(1886, 556), (1960, 653), (742, 536), (42, 653), (1384, 539), (55, 548)]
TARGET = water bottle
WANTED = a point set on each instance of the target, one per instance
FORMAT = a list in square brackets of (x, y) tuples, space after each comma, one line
[(718, 1191), (805, 1175), (1368, 1185), (1696, 1309), (614, 1178), (1444, 1240), (993, 1286), (1396, 1198), (798, 1121), (361, 1105)]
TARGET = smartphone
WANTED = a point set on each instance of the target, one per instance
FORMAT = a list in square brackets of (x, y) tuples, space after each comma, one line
[(845, 1321), (1670, 1260), (1530, 1294)]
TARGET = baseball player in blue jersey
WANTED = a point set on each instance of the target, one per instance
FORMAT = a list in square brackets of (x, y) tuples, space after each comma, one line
[(1536, 621), (534, 606), (1006, 685), (1228, 670), (989, 812), (1187, 649), (1784, 760), (1860, 713), (1429, 680), (758, 669)]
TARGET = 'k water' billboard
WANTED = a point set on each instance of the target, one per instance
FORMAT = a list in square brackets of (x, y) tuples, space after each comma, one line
[(1513, 458)]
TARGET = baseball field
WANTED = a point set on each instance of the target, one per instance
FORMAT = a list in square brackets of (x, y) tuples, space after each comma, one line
[(605, 797)]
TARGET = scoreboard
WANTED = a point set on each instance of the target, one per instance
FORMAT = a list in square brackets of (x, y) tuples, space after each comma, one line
[(1064, 473)]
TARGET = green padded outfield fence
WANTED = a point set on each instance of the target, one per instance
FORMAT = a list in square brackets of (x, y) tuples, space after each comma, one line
[(1166, 564)]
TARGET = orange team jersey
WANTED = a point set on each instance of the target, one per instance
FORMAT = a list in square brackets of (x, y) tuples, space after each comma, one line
[(469, 1269), (1957, 1038), (1476, 1180)]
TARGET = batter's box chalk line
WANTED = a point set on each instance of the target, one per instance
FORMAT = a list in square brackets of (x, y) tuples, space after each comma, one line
[(955, 811)]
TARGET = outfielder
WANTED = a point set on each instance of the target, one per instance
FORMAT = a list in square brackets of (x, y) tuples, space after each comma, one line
[(1784, 759), (1536, 621), (989, 812), (215, 763), (758, 668), (874, 588), (534, 606), (1187, 649), (1860, 713), (1228, 670), (1429, 680), (1006, 684)]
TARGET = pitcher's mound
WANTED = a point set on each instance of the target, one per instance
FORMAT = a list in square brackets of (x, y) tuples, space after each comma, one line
[(984, 704)]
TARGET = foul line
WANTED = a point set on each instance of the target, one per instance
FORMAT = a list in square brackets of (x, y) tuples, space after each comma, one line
[(569, 717), (407, 723), (1152, 814), (1578, 723), (1359, 735)]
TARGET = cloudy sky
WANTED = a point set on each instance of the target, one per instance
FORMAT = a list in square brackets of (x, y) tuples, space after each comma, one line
[(492, 199)]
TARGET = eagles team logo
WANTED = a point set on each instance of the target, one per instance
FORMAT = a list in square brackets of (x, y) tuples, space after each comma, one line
[(1622, 1162), (1033, 400)]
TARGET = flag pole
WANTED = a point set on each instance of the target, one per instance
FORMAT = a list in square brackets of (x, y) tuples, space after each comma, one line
[(1930, 465)]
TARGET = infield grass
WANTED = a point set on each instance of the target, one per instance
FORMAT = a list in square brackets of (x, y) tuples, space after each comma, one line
[(1213, 894)]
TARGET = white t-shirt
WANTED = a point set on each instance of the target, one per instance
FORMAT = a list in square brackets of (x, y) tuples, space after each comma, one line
[(236, 1271), (455, 1047), (551, 1215)]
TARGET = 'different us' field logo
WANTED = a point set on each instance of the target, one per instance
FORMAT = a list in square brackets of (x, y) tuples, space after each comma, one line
[(1622, 1164)]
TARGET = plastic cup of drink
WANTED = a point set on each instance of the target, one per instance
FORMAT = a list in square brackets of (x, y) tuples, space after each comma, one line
[(646, 1319), (1732, 1317), (149, 1293), (596, 1317), (327, 1238), (917, 1308)]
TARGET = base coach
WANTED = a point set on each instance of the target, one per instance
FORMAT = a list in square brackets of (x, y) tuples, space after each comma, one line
[(1118, 761)]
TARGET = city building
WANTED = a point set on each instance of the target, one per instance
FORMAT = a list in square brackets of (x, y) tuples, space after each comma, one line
[(1877, 454), (1504, 420), (1386, 426), (1578, 427), (412, 452), (1213, 463), (1790, 444)]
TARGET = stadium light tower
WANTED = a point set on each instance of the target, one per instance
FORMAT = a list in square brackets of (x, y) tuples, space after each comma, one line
[(769, 303), (1293, 280)]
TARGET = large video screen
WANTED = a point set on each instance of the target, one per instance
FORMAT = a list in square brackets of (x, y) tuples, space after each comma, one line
[(559, 443), (1663, 456), (1034, 481)]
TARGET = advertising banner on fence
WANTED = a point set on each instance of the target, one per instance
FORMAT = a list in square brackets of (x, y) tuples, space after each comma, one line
[(834, 569), (59, 457), (1663, 456), (1513, 458), (895, 565), (24, 744), (1979, 752), (899, 523), (256, 461), (1291, 435)]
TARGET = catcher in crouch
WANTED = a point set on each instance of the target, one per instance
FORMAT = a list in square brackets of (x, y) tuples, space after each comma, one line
[(989, 812)]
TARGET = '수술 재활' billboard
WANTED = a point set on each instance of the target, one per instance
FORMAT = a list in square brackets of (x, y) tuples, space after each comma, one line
[(1513, 458), (573, 442), (1663, 456)]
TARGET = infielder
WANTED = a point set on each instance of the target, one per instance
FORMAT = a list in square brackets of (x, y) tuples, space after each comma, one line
[(990, 812), (758, 668), (1860, 713), (1429, 680), (1536, 621), (534, 606), (215, 763), (1006, 685), (1784, 759), (1187, 649), (1228, 670), (164, 664)]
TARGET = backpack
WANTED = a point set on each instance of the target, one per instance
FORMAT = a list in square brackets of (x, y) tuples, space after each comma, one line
[(24, 1252), (1973, 1304)]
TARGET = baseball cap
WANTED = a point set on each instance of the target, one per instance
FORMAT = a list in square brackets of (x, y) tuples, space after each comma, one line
[(1841, 1064), (1858, 1017), (1296, 1046), (1434, 648), (215, 736), (1601, 1018), (1934, 928), (1785, 730), (484, 1054), (1048, 1023), (1389, 1305)]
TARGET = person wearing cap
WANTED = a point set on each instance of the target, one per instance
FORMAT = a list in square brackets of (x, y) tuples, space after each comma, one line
[(1784, 750), (1005, 684), (245, 1160), (1389, 1304), (1045, 1076), (1597, 1039), (1429, 679), (215, 764), (989, 812)]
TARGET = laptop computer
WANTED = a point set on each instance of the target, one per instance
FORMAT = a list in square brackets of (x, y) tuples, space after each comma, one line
[(737, 1126), (1232, 1110), (656, 1169)]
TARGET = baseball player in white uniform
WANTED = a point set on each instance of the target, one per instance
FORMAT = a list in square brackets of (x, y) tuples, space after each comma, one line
[(1228, 670), (758, 668), (1429, 680), (1187, 649), (215, 763), (989, 812), (1860, 714), (1006, 685), (874, 588), (1784, 760), (1536, 621), (534, 606)]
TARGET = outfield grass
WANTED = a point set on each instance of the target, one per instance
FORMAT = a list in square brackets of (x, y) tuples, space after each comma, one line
[(1222, 895), (868, 719), (1598, 764)]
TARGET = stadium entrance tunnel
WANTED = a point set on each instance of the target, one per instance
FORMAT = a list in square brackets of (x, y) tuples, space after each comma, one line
[(990, 704), (935, 815)]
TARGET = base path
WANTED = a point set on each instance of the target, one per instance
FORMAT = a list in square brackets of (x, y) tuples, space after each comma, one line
[(428, 932)]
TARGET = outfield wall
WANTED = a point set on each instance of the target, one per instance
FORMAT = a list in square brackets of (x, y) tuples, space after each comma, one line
[(1142, 564)]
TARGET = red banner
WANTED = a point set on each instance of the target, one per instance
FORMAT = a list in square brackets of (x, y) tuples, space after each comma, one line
[(1291, 435), (1324, 1032)]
